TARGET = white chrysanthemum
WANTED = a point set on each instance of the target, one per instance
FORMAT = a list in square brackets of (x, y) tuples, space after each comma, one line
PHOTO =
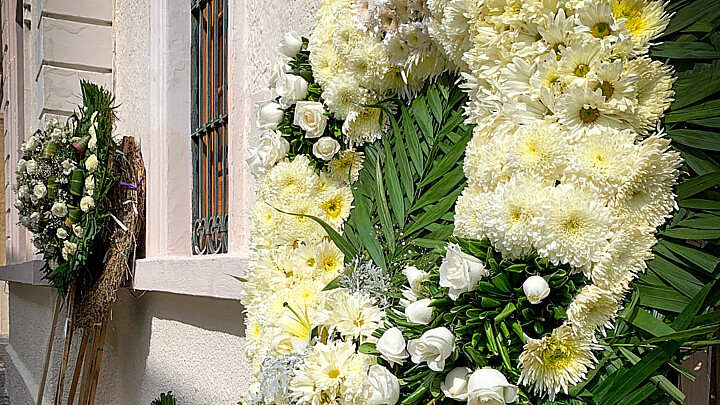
[(575, 227), (654, 91), (364, 125), (582, 109), (294, 228), (577, 65), (593, 308), (325, 63), (353, 315), (625, 255), (555, 362), (288, 181), (336, 204), (488, 166), (331, 373), (602, 159), (514, 215), (539, 149), (369, 62), (344, 95), (645, 19), (469, 209), (617, 87), (647, 196), (346, 167)]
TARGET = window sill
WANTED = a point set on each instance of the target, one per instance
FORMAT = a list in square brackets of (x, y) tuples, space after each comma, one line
[(24, 272), (208, 276)]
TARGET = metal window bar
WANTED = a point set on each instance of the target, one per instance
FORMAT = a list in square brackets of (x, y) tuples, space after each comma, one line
[(209, 123)]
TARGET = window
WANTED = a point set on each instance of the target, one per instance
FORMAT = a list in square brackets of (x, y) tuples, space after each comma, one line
[(209, 126)]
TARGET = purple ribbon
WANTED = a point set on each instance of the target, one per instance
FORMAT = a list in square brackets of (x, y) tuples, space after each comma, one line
[(130, 186)]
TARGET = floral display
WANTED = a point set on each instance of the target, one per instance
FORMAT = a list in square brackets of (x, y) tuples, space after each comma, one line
[(479, 202), (62, 183)]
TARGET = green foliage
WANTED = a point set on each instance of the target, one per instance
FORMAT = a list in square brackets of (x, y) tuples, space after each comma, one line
[(411, 179), (165, 399)]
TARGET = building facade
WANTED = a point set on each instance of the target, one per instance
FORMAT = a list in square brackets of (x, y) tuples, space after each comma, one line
[(185, 75)]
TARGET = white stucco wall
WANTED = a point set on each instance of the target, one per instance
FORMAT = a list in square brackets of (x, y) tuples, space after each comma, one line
[(192, 345)]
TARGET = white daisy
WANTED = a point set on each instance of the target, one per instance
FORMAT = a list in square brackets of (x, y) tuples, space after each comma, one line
[(582, 109)]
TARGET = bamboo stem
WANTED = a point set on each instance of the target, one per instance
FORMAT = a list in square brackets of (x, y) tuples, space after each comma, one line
[(98, 362), (48, 351), (78, 367), (66, 350), (89, 364)]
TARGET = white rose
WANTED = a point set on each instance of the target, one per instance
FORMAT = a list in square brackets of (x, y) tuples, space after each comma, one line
[(92, 131), (87, 203), (460, 271), (61, 233), (56, 134), (35, 217), (69, 249), (78, 231), (391, 346), (272, 148), (90, 183), (434, 347), (268, 114), (22, 165), (23, 191), (310, 116), (490, 387), (32, 143), (31, 167), (415, 277), (325, 148), (91, 163), (39, 191), (291, 89), (67, 166), (536, 289), (290, 44), (19, 204), (59, 209), (278, 69), (419, 311), (455, 385), (381, 386), (92, 144)]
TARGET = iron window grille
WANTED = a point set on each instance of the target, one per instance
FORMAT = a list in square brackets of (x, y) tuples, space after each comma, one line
[(209, 106)]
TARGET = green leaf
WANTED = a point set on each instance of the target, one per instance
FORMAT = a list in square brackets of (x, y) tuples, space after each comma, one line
[(697, 185), (675, 276), (690, 233), (645, 321), (695, 87), (689, 14), (705, 110), (696, 139), (240, 279), (685, 50), (639, 372), (703, 260), (682, 335), (692, 309), (393, 186), (342, 243), (366, 232), (383, 210)]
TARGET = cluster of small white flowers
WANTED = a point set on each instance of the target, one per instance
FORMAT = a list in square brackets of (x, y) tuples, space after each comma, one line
[(47, 199), (564, 161), (364, 51)]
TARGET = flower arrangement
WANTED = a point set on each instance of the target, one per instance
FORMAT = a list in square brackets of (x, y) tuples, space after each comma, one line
[(481, 223), (62, 185)]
